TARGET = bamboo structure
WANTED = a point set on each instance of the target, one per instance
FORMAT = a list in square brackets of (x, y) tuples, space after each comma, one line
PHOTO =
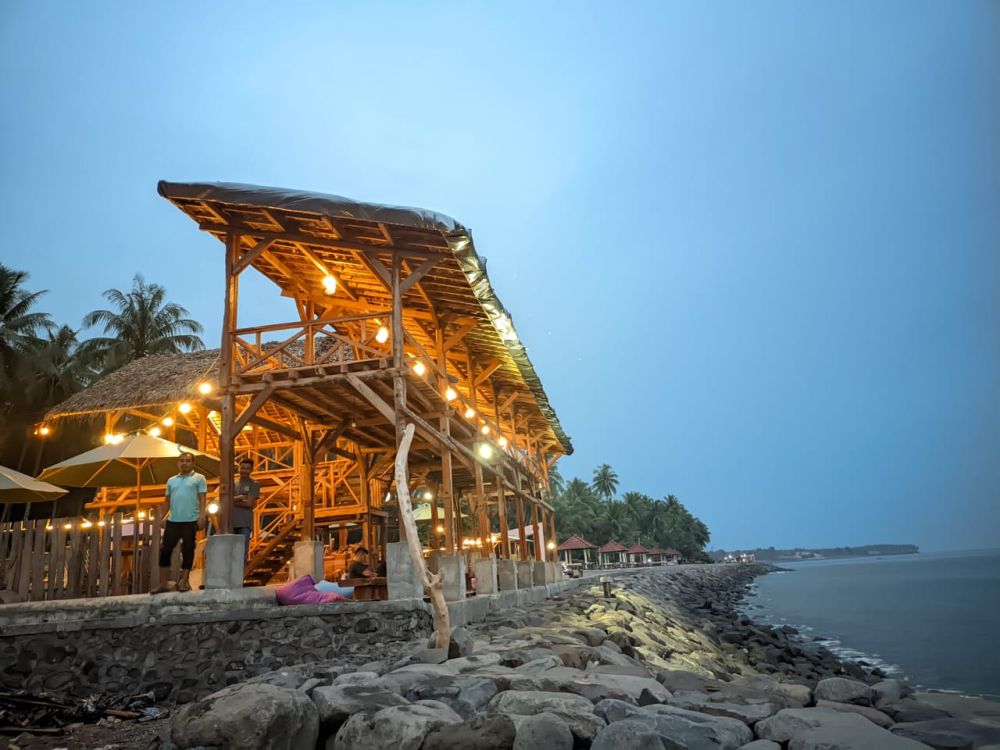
[(396, 323)]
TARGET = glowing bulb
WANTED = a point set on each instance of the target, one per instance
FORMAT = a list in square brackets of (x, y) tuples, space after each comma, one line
[(167, 421), (213, 508), (48, 527), (503, 442), (428, 495), (184, 408), (205, 388), (100, 523), (485, 429), (86, 524), (43, 431), (155, 431), (142, 515), (470, 413), (451, 394), (67, 526), (109, 439), (383, 335), (118, 438), (440, 529), (419, 368), (329, 284), (551, 545), (485, 451)]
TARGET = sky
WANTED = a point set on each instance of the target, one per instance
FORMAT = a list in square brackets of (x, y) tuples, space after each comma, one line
[(753, 248)]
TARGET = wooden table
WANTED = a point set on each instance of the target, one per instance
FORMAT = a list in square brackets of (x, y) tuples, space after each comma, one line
[(368, 589)]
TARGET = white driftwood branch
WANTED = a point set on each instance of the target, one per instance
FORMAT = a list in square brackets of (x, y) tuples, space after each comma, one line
[(433, 583)]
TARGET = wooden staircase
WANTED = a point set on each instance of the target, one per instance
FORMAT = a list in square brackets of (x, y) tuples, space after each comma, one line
[(269, 560)]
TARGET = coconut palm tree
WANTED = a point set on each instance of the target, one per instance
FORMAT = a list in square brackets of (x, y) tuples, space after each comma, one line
[(605, 482), (19, 329), (56, 370), (142, 323)]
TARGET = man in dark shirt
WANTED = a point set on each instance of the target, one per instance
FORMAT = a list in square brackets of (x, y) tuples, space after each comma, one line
[(359, 568), (244, 500)]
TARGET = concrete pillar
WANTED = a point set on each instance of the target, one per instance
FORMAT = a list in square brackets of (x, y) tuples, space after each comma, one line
[(525, 575), (539, 573), (485, 570), (307, 560), (452, 569), (507, 575), (555, 571), (402, 578), (224, 561)]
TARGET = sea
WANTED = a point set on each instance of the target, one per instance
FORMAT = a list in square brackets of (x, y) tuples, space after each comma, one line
[(931, 619)]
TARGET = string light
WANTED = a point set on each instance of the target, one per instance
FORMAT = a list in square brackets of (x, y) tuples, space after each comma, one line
[(485, 429), (142, 515), (329, 284), (212, 508), (155, 431), (470, 413), (451, 394), (67, 526), (184, 408), (485, 451), (551, 545), (205, 388), (44, 430), (503, 442), (167, 421), (382, 335), (85, 524), (440, 529), (100, 523), (113, 438), (419, 369)]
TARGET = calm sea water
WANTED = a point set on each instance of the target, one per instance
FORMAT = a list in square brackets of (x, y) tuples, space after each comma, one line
[(931, 618)]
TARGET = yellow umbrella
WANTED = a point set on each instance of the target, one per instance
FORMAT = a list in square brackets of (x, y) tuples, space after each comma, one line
[(16, 487), (136, 459)]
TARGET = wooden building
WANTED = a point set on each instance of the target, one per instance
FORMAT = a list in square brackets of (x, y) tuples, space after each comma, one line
[(395, 321)]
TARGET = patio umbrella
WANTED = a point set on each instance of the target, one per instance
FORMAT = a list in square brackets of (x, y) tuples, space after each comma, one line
[(16, 487), (136, 460)]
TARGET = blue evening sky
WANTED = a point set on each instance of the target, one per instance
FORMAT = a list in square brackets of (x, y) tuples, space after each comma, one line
[(754, 248)]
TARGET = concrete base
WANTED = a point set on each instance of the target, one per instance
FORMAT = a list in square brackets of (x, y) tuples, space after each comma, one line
[(485, 571), (507, 575), (224, 561), (307, 560), (452, 569), (555, 571), (525, 574), (402, 578), (540, 573)]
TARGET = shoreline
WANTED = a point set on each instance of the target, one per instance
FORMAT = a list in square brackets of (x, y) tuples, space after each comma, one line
[(666, 661)]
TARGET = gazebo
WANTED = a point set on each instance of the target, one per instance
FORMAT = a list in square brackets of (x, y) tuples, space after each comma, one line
[(576, 543), (612, 548), (638, 553), (667, 556)]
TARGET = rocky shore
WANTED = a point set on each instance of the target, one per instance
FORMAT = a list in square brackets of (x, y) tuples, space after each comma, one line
[(666, 662)]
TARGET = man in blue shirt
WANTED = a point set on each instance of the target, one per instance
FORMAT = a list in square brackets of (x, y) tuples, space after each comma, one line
[(185, 497)]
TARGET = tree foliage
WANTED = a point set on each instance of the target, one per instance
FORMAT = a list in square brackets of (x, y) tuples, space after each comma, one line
[(592, 511)]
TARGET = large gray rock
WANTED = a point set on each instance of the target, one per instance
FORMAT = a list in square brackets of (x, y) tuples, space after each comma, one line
[(476, 661), (632, 734), (842, 690), (890, 691), (761, 745), (961, 706), (336, 703), (823, 729), (544, 730), (394, 728), (248, 716), (911, 709), (749, 711), (951, 733), (686, 728), (575, 710), (482, 732), (873, 715), (356, 678), (788, 694), (535, 666), (466, 694)]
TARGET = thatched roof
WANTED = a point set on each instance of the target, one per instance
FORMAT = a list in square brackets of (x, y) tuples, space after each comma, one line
[(576, 542), (149, 381)]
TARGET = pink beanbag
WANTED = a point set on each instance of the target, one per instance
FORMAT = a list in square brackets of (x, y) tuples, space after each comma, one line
[(302, 591)]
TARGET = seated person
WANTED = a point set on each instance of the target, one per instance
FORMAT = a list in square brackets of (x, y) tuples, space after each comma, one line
[(359, 568)]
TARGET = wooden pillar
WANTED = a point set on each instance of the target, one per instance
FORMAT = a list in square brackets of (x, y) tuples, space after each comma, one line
[(399, 366), (227, 437), (363, 496), (552, 532), (522, 541), (307, 483), (485, 529), (447, 489), (502, 513), (539, 546)]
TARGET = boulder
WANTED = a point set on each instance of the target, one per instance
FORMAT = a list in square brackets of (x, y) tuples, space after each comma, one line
[(911, 709), (592, 636), (476, 661), (482, 732), (540, 665), (575, 710), (873, 715), (336, 703), (460, 644), (397, 727), (823, 729), (248, 716), (544, 730), (686, 728), (632, 734), (747, 711), (356, 678), (956, 734), (890, 691), (465, 694), (961, 706), (842, 690), (761, 745)]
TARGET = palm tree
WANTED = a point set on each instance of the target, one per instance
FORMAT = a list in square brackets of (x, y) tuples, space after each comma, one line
[(557, 484), (605, 482), (57, 371), (142, 324), (19, 329), (577, 509)]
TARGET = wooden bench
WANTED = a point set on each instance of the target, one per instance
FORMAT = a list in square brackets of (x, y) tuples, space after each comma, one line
[(368, 589)]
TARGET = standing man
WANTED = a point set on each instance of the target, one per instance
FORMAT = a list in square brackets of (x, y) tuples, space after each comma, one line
[(185, 498), (247, 494)]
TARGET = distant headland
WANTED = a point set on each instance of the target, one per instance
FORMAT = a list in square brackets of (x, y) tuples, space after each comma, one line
[(770, 554)]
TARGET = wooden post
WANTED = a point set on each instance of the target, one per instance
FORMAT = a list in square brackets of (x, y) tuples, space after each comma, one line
[(502, 513), (539, 551), (552, 533), (227, 437), (447, 492), (398, 377), (307, 483)]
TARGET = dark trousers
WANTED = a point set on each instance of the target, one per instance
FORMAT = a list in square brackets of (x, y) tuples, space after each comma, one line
[(183, 532)]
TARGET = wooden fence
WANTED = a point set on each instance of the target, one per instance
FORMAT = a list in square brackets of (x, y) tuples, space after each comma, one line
[(44, 560)]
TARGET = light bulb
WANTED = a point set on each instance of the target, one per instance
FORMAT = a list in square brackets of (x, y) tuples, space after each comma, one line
[(485, 451), (213, 508), (383, 335), (329, 284), (184, 408), (205, 388), (419, 369), (167, 421), (142, 515), (86, 524), (155, 431), (43, 431), (485, 429), (470, 413), (451, 394), (503, 442)]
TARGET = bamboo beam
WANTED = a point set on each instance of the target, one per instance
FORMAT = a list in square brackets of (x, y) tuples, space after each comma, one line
[(227, 436)]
